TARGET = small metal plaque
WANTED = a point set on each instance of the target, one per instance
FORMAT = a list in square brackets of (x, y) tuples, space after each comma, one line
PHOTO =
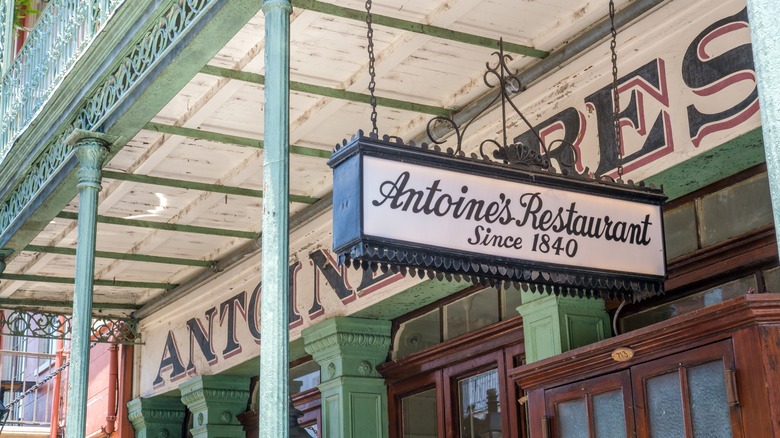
[(623, 354)]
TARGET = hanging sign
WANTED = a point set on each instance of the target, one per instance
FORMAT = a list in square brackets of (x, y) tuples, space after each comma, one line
[(410, 208)]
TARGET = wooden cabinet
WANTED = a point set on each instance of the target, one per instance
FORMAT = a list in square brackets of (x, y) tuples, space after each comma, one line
[(712, 373)]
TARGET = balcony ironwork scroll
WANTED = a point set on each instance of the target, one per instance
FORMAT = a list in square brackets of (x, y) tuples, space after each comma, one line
[(157, 40), (62, 34), (55, 326)]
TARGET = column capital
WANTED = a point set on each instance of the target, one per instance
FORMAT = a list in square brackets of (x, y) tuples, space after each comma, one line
[(215, 402), (269, 5), (156, 416), (348, 346)]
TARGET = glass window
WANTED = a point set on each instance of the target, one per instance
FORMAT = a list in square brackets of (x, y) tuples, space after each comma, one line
[(479, 407), (471, 313), (417, 334), (511, 299), (687, 304), (419, 415), (680, 231), (304, 377), (735, 210), (772, 280)]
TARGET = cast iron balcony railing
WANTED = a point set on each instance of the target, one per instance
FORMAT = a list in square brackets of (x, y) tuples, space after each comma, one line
[(62, 34), (20, 371)]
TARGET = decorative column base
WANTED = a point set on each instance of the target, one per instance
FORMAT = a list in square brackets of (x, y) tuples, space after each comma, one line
[(156, 417), (215, 402), (354, 396), (553, 324)]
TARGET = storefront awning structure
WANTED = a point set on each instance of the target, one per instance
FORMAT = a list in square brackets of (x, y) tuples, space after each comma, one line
[(176, 89)]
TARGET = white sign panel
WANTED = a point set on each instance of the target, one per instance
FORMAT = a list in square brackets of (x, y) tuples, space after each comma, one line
[(476, 214)]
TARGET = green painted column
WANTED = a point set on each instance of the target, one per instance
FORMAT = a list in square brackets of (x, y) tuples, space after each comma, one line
[(354, 395), (156, 417), (274, 347), (215, 402), (765, 39), (92, 151), (553, 325)]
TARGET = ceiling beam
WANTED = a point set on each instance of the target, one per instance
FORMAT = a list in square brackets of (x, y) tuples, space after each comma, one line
[(411, 26), (37, 304), (98, 282), (218, 137), (192, 185), (336, 93), (165, 226), (123, 256)]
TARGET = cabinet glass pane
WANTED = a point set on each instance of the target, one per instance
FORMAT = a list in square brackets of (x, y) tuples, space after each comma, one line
[(479, 408), (609, 414), (709, 407), (664, 406), (573, 419), (419, 415)]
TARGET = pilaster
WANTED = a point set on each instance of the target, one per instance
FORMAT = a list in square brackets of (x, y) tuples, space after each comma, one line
[(215, 402), (354, 396), (156, 417), (554, 324)]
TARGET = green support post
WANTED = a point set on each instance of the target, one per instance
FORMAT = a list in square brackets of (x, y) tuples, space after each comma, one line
[(215, 402), (553, 324), (354, 395), (765, 41), (91, 150), (156, 416), (274, 346)]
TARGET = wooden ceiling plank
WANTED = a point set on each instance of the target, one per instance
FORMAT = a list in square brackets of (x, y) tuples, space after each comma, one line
[(165, 226), (336, 93), (122, 256), (230, 139), (192, 185), (38, 304), (97, 282), (410, 26)]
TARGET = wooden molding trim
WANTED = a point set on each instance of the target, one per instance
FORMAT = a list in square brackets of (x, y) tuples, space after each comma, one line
[(677, 334), (739, 253), (468, 346)]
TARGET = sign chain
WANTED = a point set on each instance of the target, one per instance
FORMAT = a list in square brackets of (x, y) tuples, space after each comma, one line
[(615, 94), (371, 67)]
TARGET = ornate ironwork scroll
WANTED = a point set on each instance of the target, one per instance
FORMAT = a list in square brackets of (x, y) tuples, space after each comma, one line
[(547, 157), (158, 39), (54, 326), (63, 32)]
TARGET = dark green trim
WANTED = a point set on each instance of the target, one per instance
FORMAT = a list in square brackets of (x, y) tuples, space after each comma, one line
[(97, 282), (230, 139), (410, 26), (711, 166), (165, 226), (192, 185), (335, 93), (123, 256), (37, 304)]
